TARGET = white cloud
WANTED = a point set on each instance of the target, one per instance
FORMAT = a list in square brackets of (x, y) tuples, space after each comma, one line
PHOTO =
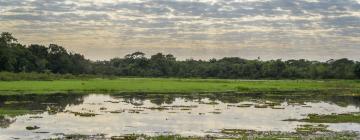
[(173, 24)]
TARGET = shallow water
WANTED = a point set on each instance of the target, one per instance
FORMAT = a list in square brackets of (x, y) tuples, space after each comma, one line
[(166, 114)]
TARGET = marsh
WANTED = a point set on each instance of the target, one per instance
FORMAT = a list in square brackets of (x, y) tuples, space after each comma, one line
[(60, 115)]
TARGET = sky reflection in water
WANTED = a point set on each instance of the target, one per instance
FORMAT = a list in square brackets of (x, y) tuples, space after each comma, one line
[(118, 115)]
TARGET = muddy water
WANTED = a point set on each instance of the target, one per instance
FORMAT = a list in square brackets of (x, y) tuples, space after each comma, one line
[(165, 114)]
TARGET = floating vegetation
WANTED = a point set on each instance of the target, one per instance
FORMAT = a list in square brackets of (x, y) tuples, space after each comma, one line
[(291, 120), (117, 111), (182, 106), (114, 102), (160, 108), (123, 138), (134, 111), (261, 106), (209, 103), (32, 127), (270, 103), (94, 103), (145, 137), (296, 103), (307, 128), (236, 131), (42, 132), (53, 109), (303, 132), (83, 114), (133, 102), (35, 117), (278, 107), (215, 112), (333, 118), (244, 105), (229, 134), (82, 137)]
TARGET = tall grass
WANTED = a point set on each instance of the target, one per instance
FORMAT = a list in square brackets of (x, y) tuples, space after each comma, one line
[(9, 76), (171, 85)]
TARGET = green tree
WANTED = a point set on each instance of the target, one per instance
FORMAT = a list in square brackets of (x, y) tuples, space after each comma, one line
[(41, 53), (342, 68), (7, 57), (59, 60), (357, 70)]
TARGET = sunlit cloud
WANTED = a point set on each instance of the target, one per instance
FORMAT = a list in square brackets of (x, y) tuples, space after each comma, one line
[(201, 29)]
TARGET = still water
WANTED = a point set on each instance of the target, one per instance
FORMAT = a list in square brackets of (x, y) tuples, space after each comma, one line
[(189, 115)]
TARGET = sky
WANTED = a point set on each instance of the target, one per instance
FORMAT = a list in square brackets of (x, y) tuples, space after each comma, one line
[(198, 29)]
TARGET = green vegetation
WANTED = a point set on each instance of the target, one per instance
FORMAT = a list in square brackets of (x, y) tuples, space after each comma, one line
[(32, 127), (83, 114), (333, 118), (159, 85), (15, 57), (251, 135), (9, 76), (312, 128), (13, 112)]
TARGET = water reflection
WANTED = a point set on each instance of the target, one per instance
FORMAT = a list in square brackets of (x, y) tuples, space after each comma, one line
[(39, 102), (5, 121), (153, 114)]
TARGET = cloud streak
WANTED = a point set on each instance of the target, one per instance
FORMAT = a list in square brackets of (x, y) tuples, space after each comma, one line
[(102, 29)]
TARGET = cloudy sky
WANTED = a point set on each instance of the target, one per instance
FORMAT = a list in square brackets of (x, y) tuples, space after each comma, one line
[(199, 29)]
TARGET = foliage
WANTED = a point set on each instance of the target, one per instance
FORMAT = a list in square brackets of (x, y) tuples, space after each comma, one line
[(34, 76), (15, 57)]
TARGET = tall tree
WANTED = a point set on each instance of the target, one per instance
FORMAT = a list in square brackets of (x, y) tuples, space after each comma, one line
[(59, 61), (357, 70)]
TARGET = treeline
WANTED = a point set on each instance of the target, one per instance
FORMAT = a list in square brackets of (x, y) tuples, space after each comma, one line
[(15, 57)]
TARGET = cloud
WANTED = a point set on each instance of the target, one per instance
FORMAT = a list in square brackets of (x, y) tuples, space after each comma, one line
[(300, 26)]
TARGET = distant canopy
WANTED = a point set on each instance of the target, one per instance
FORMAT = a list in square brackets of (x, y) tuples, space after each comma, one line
[(15, 57)]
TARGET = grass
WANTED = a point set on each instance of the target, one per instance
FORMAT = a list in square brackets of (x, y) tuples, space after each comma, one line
[(10, 76), (251, 136), (312, 128), (333, 118), (13, 112), (172, 85)]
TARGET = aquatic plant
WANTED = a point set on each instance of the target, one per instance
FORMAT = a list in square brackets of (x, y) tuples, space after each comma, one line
[(32, 127)]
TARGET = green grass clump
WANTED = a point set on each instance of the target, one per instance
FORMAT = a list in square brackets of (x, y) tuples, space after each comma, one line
[(312, 128), (333, 118), (13, 112), (172, 85)]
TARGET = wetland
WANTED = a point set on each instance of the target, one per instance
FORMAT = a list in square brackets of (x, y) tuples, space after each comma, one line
[(293, 115)]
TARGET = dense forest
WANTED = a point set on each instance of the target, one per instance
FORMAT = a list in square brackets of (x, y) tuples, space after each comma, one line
[(15, 57)]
